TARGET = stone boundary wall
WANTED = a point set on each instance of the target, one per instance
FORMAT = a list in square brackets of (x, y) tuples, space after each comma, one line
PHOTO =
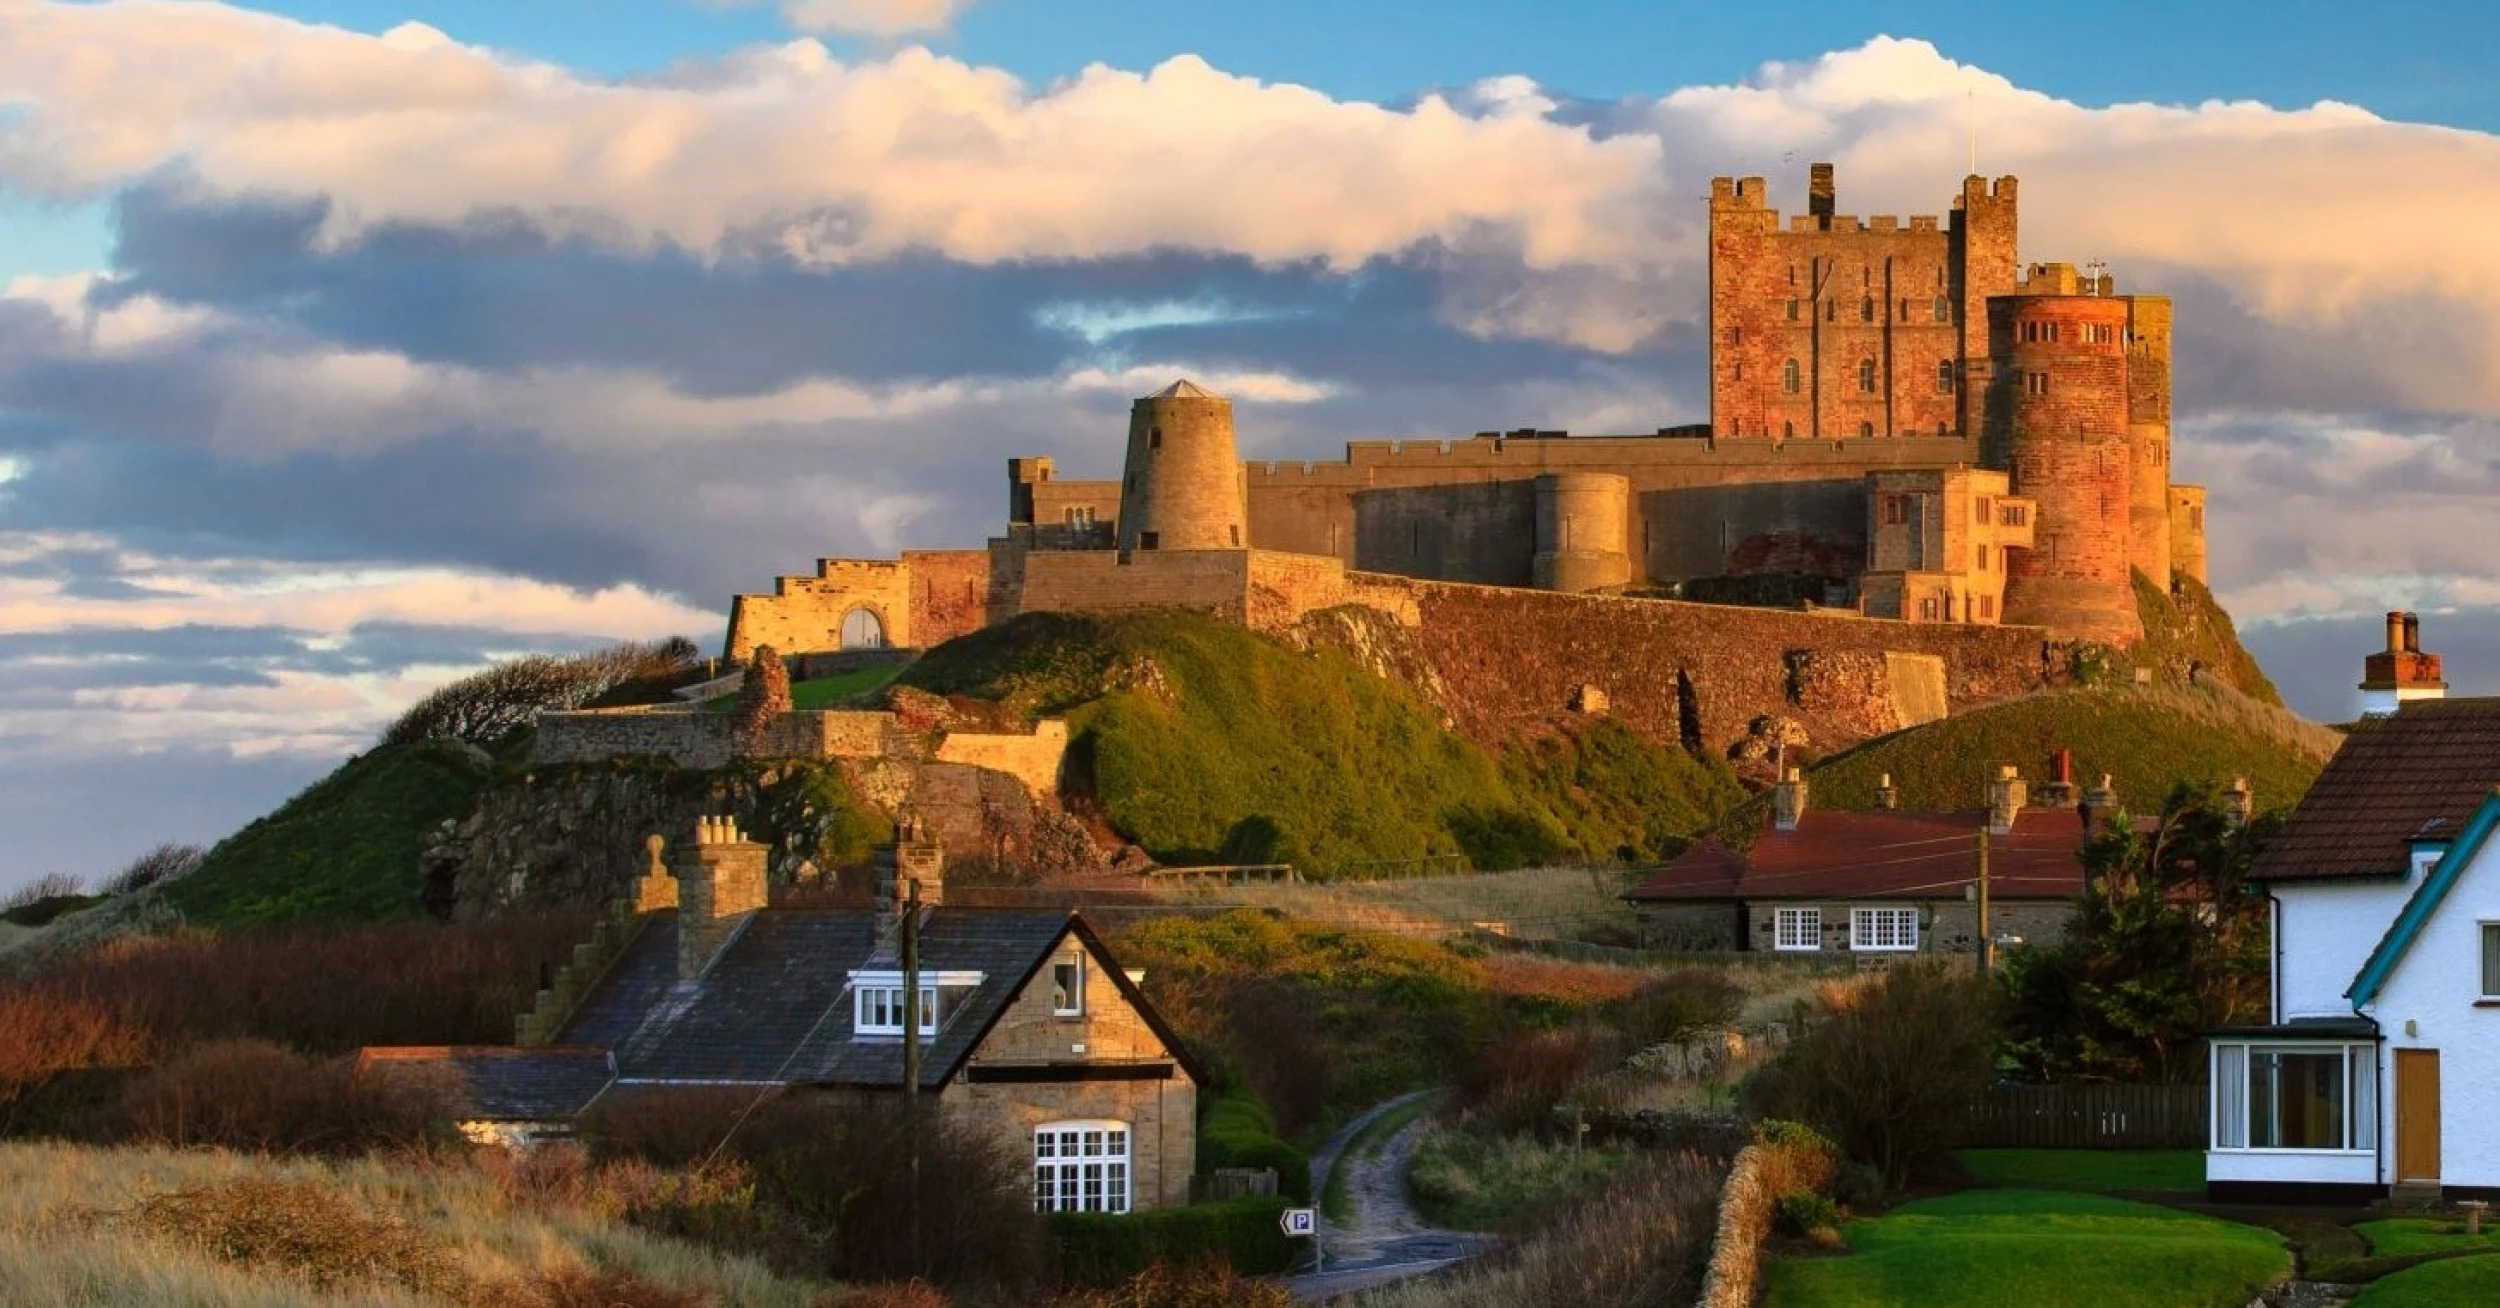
[(920, 599), (1763, 1173), (691, 738), (1033, 760), (1211, 581)]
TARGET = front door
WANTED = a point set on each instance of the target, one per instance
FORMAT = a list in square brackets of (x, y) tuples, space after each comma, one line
[(2417, 1115)]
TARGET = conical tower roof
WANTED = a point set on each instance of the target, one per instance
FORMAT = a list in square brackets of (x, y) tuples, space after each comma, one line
[(1184, 389)]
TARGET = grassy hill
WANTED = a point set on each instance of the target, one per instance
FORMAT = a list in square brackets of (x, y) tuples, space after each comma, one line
[(1205, 742), (2148, 738), (343, 850), (2190, 631)]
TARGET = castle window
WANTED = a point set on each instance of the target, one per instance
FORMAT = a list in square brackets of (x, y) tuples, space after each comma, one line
[(1792, 274), (1154, 438), (2035, 383), (1979, 557), (1988, 607), (1979, 511), (1905, 311), (1866, 310), (1148, 540), (1786, 429), (1927, 609), (1790, 376), (862, 629), (1940, 429), (1866, 376), (1236, 536), (1866, 429), (1894, 512), (1735, 335), (2196, 519), (2012, 515), (1944, 376), (1794, 310), (1740, 370), (1943, 307)]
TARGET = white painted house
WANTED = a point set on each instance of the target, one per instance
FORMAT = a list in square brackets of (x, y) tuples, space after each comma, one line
[(2379, 1069)]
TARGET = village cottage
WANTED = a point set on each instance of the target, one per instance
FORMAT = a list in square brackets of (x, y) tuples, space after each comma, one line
[(2378, 1071), (1028, 1028)]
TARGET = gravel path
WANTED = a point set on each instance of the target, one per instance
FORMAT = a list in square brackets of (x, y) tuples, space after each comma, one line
[(1386, 1239)]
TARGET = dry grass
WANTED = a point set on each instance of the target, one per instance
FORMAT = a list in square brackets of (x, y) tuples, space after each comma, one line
[(1536, 903), (109, 1227), (1529, 976)]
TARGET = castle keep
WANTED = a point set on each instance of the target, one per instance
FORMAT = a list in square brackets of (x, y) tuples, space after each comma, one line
[(1905, 424)]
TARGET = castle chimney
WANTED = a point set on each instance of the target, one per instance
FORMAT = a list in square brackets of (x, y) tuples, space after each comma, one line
[(2006, 796), (2099, 803), (1821, 199), (2401, 672), (914, 856), (720, 884), (1887, 795), (2239, 805), (1788, 800)]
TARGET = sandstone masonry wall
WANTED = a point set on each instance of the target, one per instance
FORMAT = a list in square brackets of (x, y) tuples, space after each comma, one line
[(919, 599), (694, 739), (1033, 760)]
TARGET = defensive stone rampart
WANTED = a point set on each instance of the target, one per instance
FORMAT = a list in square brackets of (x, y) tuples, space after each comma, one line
[(1033, 760), (691, 738)]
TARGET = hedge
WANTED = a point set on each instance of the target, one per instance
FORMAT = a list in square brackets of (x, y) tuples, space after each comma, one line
[(1238, 1132), (1102, 1249)]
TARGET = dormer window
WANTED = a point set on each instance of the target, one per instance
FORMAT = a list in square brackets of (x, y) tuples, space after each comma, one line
[(1067, 986), (877, 1001)]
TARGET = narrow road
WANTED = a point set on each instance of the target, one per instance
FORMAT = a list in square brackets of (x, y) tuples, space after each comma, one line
[(1385, 1240)]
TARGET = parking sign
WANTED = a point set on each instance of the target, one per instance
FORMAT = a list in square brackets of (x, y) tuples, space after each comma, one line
[(1298, 1223)]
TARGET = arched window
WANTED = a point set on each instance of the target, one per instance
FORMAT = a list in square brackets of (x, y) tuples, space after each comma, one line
[(1787, 429), (1944, 376), (1866, 429), (862, 629), (1866, 310), (1866, 376), (1789, 376), (1944, 309), (1081, 1167)]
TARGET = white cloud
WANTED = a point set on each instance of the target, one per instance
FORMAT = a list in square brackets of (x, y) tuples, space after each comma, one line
[(871, 17)]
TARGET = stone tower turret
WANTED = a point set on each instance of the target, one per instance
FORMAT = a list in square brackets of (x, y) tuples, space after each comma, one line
[(1583, 520), (1184, 488), (1982, 257), (2057, 421), (2148, 435)]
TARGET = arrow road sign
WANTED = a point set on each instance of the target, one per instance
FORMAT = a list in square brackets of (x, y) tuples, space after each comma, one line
[(1298, 1223)]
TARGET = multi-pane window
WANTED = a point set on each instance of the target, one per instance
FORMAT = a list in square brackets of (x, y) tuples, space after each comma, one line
[(878, 1010), (1081, 1167), (1067, 986), (2294, 1097), (1944, 376), (1880, 929), (1866, 376), (1797, 928), (1790, 376), (2491, 960)]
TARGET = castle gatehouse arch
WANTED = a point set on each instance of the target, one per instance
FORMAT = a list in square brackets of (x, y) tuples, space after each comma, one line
[(863, 629)]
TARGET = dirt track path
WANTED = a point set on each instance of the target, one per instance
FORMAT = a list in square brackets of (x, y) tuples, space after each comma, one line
[(1386, 1239)]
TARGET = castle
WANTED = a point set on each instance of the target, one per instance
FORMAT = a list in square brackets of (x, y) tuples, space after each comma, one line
[(1905, 425)]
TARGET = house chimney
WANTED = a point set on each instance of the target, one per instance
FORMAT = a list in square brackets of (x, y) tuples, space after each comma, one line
[(720, 884), (1821, 199), (2059, 790), (2239, 804), (2006, 796), (914, 856), (1887, 796), (657, 890), (2400, 673), (2099, 803), (1788, 800)]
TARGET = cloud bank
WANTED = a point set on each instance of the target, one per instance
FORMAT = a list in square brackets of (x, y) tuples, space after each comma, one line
[(409, 347)]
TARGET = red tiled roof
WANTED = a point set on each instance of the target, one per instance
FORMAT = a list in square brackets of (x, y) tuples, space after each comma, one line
[(1842, 855), (2417, 772)]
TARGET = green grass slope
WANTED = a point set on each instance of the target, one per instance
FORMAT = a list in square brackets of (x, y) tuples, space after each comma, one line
[(343, 850), (1205, 742), (2030, 1247), (2148, 739)]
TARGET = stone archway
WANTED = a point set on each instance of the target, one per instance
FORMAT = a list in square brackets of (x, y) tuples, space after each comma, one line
[(863, 629)]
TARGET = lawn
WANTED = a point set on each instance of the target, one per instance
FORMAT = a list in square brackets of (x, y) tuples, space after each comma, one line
[(2400, 1236), (2087, 1169), (823, 692), (2033, 1247), (2436, 1285)]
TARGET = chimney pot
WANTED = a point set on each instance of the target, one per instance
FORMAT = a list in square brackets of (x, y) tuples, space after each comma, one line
[(2413, 633), (1887, 797), (2395, 631)]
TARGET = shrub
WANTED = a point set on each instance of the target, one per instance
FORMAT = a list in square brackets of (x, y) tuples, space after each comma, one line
[(1640, 1240), (1805, 1211), (1165, 1285), (1236, 1131), (893, 1294), (487, 709), (1099, 1249), (1856, 1185), (1514, 1083), (51, 885), (251, 1095), (44, 1035), (612, 1287), (168, 862), (1678, 1006), (304, 1229), (1892, 1078)]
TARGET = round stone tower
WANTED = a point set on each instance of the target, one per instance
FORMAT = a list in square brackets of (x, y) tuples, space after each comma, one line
[(2057, 421), (1583, 520), (2148, 435), (1184, 488)]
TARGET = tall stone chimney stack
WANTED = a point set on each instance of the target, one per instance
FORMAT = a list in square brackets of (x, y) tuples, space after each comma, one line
[(1788, 800), (2400, 672), (2100, 803), (720, 884), (2007, 794), (914, 856)]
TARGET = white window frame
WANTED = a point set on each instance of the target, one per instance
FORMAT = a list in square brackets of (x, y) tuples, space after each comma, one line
[(1068, 1001), (2233, 1115), (1083, 1167), (2488, 937), (877, 1000), (1883, 930), (1796, 930)]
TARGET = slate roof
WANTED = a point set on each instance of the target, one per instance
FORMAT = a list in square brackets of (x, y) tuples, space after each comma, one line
[(1835, 854), (506, 1084), (1184, 389), (2419, 772)]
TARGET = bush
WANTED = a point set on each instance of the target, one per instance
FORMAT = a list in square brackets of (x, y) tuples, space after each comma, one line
[(303, 1229), (44, 1035), (1236, 1131), (251, 1095), (1891, 1078), (612, 1287), (51, 885), (1805, 1212), (1678, 1006), (1164, 1285), (1513, 1084), (168, 862), (1099, 1249), (488, 709)]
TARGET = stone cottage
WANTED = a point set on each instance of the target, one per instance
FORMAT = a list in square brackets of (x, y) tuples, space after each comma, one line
[(1027, 1026)]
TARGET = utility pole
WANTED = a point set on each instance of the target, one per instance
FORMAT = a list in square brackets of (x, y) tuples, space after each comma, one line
[(1987, 936), (911, 1061)]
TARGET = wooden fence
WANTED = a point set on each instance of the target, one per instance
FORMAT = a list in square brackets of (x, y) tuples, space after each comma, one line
[(2089, 1117)]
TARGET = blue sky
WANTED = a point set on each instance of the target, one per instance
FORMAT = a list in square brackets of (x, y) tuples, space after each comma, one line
[(333, 365)]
